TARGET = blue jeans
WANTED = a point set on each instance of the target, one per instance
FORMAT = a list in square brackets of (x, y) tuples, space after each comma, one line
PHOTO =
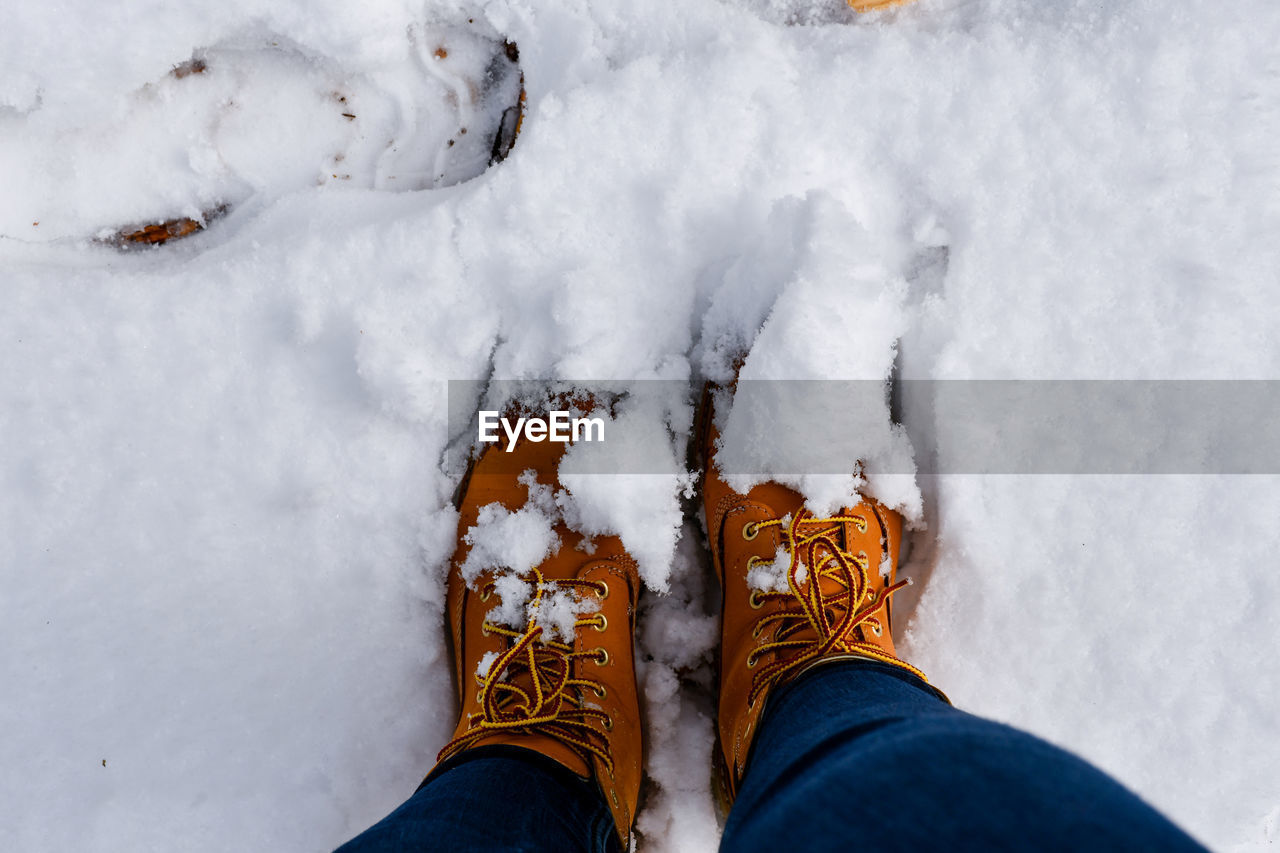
[(850, 755)]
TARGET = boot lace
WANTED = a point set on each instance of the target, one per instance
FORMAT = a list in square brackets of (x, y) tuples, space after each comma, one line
[(830, 611), (530, 688)]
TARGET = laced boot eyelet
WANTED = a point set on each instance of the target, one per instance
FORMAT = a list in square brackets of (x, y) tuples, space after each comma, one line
[(485, 592), (876, 629), (755, 602), (603, 592), (484, 629), (755, 632), (603, 624), (752, 660), (750, 530), (608, 724), (601, 655), (600, 690), (872, 596)]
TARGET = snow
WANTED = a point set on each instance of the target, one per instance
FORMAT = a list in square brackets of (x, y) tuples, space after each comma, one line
[(227, 463), (509, 545), (642, 509), (773, 576), (838, 316), (253, 117), (518, 540), (486, 663)]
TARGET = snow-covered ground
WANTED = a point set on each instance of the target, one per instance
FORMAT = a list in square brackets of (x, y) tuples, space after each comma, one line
[(224, 485)]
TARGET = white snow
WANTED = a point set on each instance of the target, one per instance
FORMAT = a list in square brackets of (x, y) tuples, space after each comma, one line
[(642, 509), (774, 576), (248, 119), (517, 540), (486, 663), (558, 611), (509, 545), (225, 466), (836, 314)]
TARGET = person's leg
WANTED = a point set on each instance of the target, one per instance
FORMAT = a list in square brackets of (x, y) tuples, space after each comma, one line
[(866, 751), (496, 798)]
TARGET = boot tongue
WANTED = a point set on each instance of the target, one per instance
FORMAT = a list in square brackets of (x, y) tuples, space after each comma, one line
[(545, 744), (835, 589)]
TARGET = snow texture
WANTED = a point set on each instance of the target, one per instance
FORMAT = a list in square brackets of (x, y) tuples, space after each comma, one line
[(226, 465), (642, 509), (518, 540), (775, 575)]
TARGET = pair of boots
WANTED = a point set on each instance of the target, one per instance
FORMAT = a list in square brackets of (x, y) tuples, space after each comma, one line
[(799, 591)]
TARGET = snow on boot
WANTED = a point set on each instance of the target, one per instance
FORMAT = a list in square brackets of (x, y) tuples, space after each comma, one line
[(543, 652), (799, 591)]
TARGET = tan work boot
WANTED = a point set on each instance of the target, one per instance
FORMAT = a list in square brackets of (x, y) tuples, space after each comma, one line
[(573, 701), (799, 591)]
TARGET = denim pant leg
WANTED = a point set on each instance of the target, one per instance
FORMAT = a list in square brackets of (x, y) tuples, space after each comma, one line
[(496, 798), (862, 755)]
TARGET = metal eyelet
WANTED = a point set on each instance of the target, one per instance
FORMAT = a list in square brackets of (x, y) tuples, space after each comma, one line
[(755, 602), (750, 530), (861, 523), (601, 655), (600, 690), (608, 724), (876, 629), (485, 592), (484, 629), (871, 596), (603, 595), (755, 632), (752, 660), (602, 624)]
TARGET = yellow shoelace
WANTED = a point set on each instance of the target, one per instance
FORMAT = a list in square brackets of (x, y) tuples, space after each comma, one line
[(835, 602), (530, 687)]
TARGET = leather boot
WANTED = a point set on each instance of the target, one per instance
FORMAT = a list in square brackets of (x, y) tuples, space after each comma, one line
[(574, 701), (799, 591)]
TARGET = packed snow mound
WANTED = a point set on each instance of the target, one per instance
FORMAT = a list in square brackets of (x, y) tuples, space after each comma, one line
[(226, 466), (821, 301)]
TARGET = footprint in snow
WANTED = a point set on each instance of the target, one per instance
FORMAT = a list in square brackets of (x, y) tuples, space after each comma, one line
[(256, 119)]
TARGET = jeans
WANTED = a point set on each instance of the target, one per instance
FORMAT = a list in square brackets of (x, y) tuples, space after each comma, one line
[(851, 754)]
